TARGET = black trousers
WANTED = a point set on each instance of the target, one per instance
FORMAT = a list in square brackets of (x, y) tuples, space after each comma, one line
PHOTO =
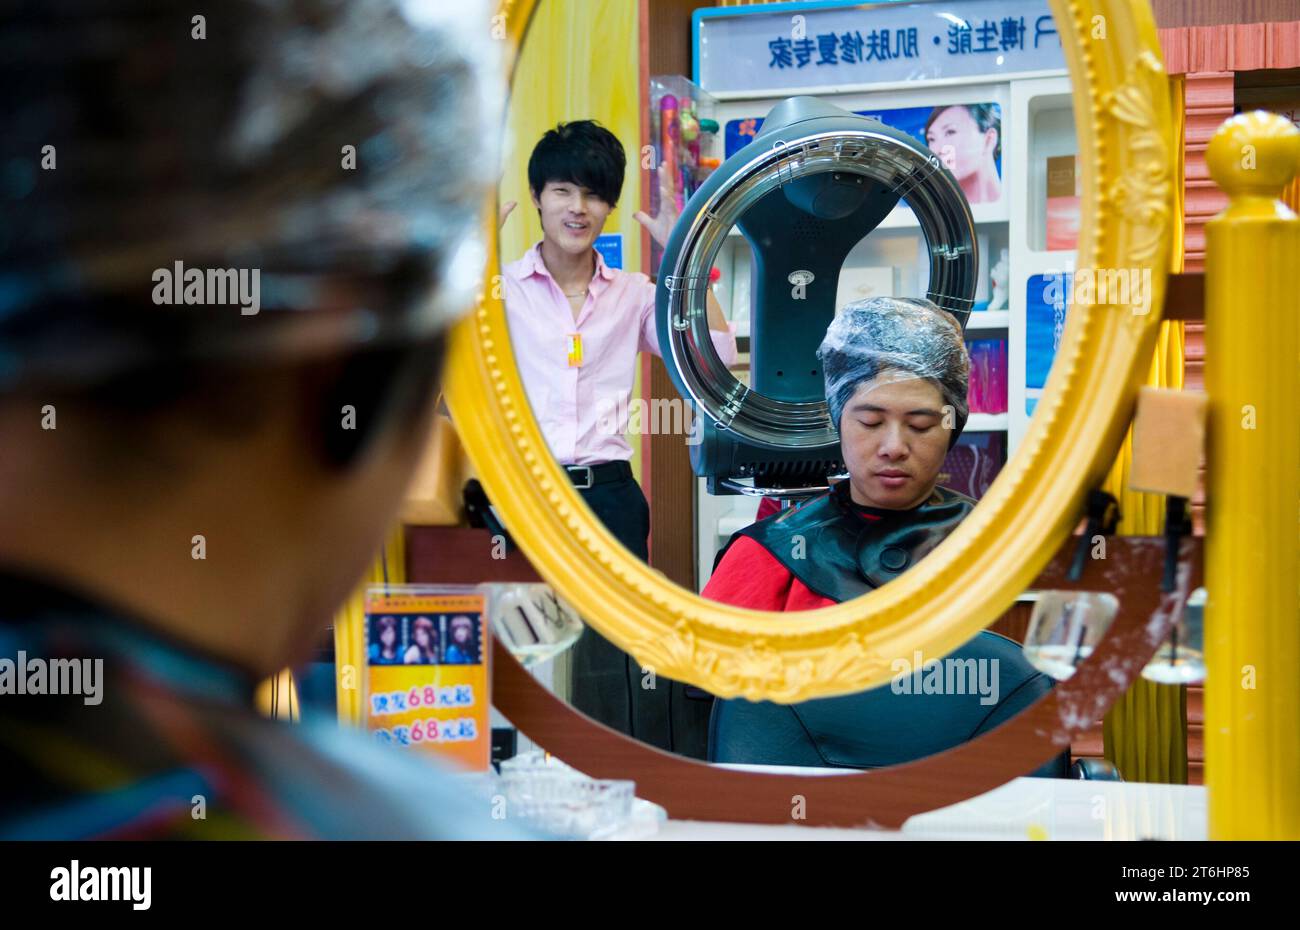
[(607, 684)]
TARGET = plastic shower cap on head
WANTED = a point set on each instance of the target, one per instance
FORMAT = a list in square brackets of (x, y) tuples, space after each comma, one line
[(344, 150), (902, 334)]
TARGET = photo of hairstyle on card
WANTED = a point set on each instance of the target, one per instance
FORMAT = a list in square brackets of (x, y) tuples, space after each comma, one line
[(384, 639), (462, 647), (423, 649)]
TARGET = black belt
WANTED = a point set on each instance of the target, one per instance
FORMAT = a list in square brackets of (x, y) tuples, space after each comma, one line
[(588, 476)]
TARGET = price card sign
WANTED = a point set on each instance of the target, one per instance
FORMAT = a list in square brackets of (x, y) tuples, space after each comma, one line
[(427, 670)]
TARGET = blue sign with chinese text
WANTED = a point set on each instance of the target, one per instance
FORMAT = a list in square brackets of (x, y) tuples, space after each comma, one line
[(610, 247), (785, 46)]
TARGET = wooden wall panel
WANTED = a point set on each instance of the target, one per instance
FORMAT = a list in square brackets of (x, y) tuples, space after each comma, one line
[(666, 468), (1241, 47), (1208, 102), (1173, 13)]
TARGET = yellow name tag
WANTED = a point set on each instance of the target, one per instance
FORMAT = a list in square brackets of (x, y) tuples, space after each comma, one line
[(575, 350)]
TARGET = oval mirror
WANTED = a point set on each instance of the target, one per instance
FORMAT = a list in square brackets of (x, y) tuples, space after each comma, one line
[(860, 304)]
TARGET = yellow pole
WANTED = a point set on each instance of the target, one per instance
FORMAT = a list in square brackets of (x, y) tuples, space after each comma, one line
[(1252, 376)]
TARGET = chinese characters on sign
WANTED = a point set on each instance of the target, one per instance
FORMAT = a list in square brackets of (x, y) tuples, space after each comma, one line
[(431, 730), (751, 50), (848, 48), (398, 702), (963, 38), (989, 36)]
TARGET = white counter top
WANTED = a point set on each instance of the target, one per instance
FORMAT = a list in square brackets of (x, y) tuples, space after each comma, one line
[(1024, 809)]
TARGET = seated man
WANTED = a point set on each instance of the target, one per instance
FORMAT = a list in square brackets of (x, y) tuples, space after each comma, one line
[(896, 375)]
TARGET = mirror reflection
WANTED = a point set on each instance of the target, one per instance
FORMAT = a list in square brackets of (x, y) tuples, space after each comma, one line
[(767, 333)]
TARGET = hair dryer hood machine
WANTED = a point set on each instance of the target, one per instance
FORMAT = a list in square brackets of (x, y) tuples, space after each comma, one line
[(804, 192)]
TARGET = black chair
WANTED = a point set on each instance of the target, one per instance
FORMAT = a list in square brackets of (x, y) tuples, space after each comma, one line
[(881, 727)]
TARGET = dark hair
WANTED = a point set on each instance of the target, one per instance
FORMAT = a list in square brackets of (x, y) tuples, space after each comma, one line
[(424, 623), (986, 115), (582, 152), (383, 624), (208, 154)]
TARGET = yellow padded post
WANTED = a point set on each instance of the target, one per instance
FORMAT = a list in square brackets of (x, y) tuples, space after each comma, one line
[(1252, 376)]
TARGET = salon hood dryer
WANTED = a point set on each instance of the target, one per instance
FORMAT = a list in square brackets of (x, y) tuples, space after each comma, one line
[(813, 182)]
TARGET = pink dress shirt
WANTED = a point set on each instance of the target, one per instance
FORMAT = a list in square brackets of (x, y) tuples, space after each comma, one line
[(583, 411)]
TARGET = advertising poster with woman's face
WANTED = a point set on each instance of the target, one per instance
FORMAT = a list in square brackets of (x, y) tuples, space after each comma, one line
[(967, 137), (426, 685), (968, 140)]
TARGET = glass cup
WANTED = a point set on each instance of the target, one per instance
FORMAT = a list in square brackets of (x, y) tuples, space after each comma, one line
[(1180, 660), (1065, 627), (560, 800), (533, 623)]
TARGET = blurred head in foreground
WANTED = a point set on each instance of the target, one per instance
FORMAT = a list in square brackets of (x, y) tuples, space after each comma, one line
[(232, 246), (233, 243)]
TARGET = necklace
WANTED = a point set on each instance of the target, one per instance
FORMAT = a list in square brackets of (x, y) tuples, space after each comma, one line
[(580, 294)]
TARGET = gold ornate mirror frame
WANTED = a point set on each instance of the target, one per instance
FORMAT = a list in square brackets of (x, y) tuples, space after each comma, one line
[(1122, 121)]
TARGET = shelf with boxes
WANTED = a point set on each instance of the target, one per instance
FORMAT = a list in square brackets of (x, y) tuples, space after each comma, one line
[(1041, 248)]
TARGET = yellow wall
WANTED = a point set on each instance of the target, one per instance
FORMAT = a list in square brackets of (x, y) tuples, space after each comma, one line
[(1145, 731), (579, 61), (350, 628)]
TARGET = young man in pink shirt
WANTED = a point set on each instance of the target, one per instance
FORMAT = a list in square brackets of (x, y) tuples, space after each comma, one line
[(577, 326)]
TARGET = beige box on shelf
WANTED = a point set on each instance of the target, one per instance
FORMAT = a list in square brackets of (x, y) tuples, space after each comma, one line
[(1168, 441), (861, 283)]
